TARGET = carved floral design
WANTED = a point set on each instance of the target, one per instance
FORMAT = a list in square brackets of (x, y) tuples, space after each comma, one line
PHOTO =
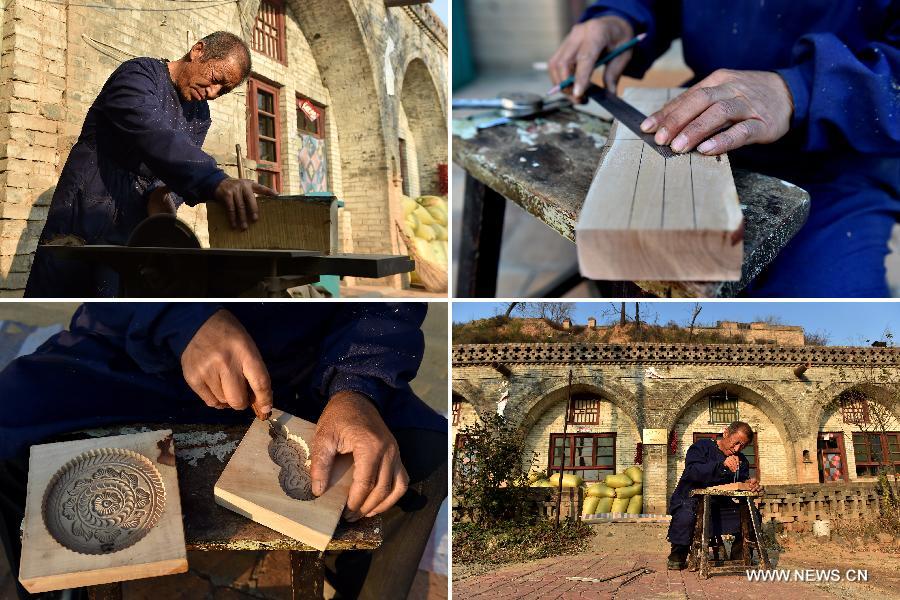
[(291, 453), (103, 501)]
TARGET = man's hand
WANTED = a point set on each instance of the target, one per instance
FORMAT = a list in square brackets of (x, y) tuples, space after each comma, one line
[(732, 463), (728, 109), (350, 424), (159, 202), (238, 196), (753, 485), (222, 365), (581, 49)]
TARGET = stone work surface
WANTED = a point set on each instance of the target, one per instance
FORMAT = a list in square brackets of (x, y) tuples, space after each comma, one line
[(364, 63)]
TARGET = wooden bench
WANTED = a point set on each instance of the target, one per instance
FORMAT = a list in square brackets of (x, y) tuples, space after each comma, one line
[(201, 453), (546, 166)]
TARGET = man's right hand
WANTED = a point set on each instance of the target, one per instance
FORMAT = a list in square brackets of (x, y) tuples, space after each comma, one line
[(223, 366), (238, 196), (581, 49), (732, 463)]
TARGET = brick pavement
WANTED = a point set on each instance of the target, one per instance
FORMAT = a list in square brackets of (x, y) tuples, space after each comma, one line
[(546, 579)]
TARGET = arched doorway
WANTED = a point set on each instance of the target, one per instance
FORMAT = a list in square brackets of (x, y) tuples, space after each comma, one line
[(711, 410), (423, 115), (858, 434), (600, 438)]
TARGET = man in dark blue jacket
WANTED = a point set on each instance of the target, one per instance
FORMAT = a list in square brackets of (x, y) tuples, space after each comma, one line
[(707, 463), (139, 153), (345, 366), (816, 80)]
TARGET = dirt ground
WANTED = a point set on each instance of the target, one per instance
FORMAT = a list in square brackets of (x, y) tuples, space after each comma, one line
[(619, 547)]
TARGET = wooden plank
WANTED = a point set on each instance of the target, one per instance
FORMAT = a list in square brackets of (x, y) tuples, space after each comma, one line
[(267, 481), (684, 221), (285, 223), (100, 511)]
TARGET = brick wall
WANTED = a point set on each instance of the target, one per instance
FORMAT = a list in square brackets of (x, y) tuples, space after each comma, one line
[(651, 393), (55, 60)]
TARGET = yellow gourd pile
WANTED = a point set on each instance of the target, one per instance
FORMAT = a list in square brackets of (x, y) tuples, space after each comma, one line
[(622, 493), (425, 223)]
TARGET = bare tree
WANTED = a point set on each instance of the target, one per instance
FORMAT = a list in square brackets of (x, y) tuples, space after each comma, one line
[(695, 312), (622, 317), (510, 308)]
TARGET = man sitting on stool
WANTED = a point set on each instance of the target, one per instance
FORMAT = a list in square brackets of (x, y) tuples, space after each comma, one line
[(710, 462)]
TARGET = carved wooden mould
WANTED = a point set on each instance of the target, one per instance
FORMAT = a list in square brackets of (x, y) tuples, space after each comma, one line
[(103, 500)]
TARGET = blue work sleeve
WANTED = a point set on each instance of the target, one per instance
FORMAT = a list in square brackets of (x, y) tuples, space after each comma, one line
[(132, 104), (847, 97), (660, 19), (700, 468), (153, 334), (374, 349)]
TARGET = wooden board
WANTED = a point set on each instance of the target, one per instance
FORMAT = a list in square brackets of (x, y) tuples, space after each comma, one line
[(285, 223), (650, 218), (101, 483), (254, 485)]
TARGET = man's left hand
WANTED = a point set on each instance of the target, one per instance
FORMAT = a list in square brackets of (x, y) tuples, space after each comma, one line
[(752, 485), (350, 424), (725, 111)]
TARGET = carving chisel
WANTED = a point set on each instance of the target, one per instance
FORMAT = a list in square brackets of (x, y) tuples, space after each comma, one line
[(275, 428), (627, 115)]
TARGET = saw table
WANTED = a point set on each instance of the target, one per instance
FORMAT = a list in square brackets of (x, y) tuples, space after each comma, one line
[(545, 165), (164, 259)]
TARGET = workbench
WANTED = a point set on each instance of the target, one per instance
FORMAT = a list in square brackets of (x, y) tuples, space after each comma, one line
[(546, 165), (201, 453), (163, 272)]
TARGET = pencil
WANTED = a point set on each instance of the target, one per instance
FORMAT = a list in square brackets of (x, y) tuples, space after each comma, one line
[(601, 61)]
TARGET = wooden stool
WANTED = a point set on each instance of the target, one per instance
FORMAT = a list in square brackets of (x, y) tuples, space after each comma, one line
[(699, 555), (201, 453)]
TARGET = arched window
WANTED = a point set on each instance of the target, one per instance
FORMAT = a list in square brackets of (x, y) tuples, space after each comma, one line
[(584, 410), (723, 407)]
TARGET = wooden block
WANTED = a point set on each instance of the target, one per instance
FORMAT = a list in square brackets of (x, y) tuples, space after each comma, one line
[(267, 481), (646, 217), (102, 510), (285, 223)]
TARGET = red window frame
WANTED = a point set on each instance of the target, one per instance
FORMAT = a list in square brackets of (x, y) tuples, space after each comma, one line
[(457, 405), (607, 467), (885, 446), (461, 458), (320, 120), (254, 86), (753, 458), (268, 30), (585, 410)]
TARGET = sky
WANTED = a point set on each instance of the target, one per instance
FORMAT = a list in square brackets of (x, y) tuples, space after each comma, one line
[(440, 7), (844, 323)]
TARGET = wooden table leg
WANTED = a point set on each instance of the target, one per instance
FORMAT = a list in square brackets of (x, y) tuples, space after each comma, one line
[(744, 513), (479, 249), (105, 591), (704, 539), (694, 553), (757, 530), (307, 575)]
